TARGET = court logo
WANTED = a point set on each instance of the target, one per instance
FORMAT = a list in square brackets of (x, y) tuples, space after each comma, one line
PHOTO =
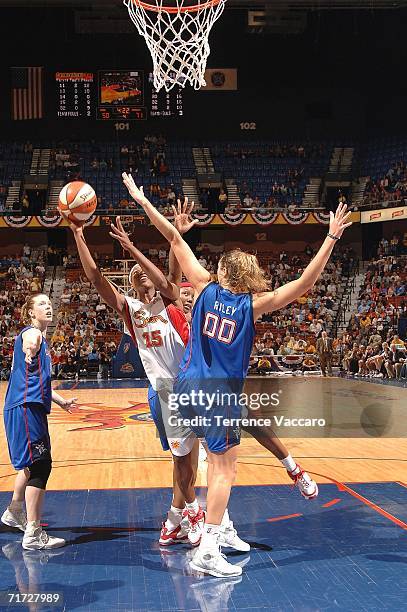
[(99, 417), (144, 417)]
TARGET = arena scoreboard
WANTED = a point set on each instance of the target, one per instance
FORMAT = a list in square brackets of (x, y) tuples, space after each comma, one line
[(75, 94), (117, 95)]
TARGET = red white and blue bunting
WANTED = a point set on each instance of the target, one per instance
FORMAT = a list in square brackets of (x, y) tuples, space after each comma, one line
[(296, 217), (91, 220), (203, 219), (233, 219), (49, 220), (264, 218), (322, 217), (15, 221)]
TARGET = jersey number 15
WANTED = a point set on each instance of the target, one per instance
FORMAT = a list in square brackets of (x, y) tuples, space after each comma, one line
[(153, 338)]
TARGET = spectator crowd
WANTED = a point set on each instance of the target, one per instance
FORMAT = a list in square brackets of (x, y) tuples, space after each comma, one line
[(370, 347), (391, 187), (86, 334)]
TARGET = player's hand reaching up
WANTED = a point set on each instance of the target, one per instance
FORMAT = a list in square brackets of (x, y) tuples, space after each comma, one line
[(119, 233), (182, 216), (77, 229), (340, 220), (137, 193)]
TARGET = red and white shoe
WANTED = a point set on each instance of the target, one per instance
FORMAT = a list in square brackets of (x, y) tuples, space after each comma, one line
[(196, 525), (307, 487), (176, 536)]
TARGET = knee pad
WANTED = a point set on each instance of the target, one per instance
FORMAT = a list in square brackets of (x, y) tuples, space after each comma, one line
[(39, 474)]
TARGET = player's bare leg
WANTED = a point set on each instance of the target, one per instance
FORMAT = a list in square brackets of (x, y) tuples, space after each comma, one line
[(222, 474), (269, 440), (228, 537), (178, 499), (14, 515)]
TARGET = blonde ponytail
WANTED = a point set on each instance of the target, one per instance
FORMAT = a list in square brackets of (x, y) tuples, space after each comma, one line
[(243, 273)]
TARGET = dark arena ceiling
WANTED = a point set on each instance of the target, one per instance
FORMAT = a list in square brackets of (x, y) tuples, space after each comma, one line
[(314, 5)]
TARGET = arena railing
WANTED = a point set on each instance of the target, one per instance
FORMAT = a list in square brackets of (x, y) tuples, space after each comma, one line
[(363, 204), (345, 300)]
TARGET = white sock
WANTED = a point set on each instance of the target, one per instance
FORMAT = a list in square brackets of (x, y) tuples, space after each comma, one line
[(32, 526), (225, 519), (289, 463), (193, 507), (210, 536), (174, 518), (15, 506)]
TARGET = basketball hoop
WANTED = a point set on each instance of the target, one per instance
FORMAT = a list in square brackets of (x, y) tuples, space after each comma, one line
[(176, 33)]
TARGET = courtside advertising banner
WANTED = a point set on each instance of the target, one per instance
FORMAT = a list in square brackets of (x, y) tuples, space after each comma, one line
[(383, 214)]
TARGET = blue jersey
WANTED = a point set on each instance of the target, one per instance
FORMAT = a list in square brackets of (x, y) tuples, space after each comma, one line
[(222, 335), (210, 382), (29, 383)]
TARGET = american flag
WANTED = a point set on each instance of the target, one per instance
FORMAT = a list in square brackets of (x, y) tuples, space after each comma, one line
[(27, 93)]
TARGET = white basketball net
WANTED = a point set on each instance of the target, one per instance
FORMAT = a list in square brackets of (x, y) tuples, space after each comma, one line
[(177, 38)]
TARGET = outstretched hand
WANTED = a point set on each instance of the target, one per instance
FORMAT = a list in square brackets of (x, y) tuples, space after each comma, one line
[(119, 233), (137, 193), (68, 404), (338, 221), (182, 216)]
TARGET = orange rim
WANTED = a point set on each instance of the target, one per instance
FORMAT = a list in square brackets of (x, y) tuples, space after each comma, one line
[(172, 9)]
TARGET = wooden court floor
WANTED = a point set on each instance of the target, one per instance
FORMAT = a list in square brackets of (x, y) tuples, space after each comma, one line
[(109, 441)]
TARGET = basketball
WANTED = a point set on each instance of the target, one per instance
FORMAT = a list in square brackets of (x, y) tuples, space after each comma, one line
[(77, 202)]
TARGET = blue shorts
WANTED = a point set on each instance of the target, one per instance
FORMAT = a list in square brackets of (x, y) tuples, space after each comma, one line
[(27, 435), (156, 413), (173, 434), (218, 423)]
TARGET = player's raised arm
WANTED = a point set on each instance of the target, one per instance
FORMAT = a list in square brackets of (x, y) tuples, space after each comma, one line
[(182, 222), (274, 300), (159, 280), (195, 273), (105, 289)]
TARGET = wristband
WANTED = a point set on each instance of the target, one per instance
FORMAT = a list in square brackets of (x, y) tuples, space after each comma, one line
[(333, 237)]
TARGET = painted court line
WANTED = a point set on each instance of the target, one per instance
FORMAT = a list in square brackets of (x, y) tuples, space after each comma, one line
[(343, 487), (331, 503), (283, 518)]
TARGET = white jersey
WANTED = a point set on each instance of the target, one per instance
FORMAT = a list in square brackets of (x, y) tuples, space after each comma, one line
[(160, 331)]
